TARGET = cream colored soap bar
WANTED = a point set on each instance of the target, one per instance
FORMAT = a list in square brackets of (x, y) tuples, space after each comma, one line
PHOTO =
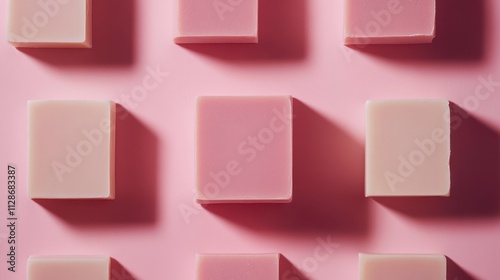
[(71, 149), (407, 148), (68, 268), (402, 267), (50, 23)]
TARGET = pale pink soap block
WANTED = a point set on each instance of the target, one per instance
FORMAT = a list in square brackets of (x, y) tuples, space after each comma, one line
[(68, 268), (402, 267), (407, 147), (50, 23), (389, 21), (244, 149), (217, 21), (241, 267), (71, 147)]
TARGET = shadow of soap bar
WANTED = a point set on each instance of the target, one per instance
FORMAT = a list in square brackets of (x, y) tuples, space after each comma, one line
[(69, 267), (71, 149), (237, 266), (389, 21), (50, 23), (402, 267), (217, 21), (407, 147), (244, 149)]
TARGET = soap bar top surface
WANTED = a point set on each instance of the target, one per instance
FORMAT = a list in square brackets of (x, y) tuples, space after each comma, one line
[(219, 21), (50, 23), (244, 149), (407, 147), (389, 21), (402, 267), (68, 267), (234, 266), (71, 149)]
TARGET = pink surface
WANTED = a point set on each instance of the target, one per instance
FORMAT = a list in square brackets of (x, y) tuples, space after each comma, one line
[(50, 23), (241, 267), (217, 21), (71, 149), (300, 53), (407, 147), (244, 149), (389, 21), (68, 267), (402, 267)]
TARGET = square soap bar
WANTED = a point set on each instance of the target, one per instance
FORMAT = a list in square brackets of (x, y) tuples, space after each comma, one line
[(68, 267), (50, 23), (71, 149), (402, 267), (244, 149), (389, 21), (241, 267), (217, 21), (407, 148)]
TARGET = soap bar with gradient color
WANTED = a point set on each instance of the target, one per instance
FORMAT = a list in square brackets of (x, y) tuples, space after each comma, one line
[(217, 21), (68, 267), (402, 267), (241, 267), (244, 149), (50, 23), (389, 21), (407, 147), (71, 149)]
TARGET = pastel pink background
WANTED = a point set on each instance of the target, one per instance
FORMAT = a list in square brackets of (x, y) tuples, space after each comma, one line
[(301, 54)]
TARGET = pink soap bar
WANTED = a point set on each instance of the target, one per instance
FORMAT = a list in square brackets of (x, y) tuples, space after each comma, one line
[(217, 21), (68, 267), (244, 149), (241, 267), (389, 21), (402, 267), (407, 148), (50, 23), (71, 146)]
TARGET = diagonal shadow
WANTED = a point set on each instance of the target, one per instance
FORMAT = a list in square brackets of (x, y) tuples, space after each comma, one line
[(113, 39), (136, 165), (282, 36), (328, 176), (458, 37), (475, 180)]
